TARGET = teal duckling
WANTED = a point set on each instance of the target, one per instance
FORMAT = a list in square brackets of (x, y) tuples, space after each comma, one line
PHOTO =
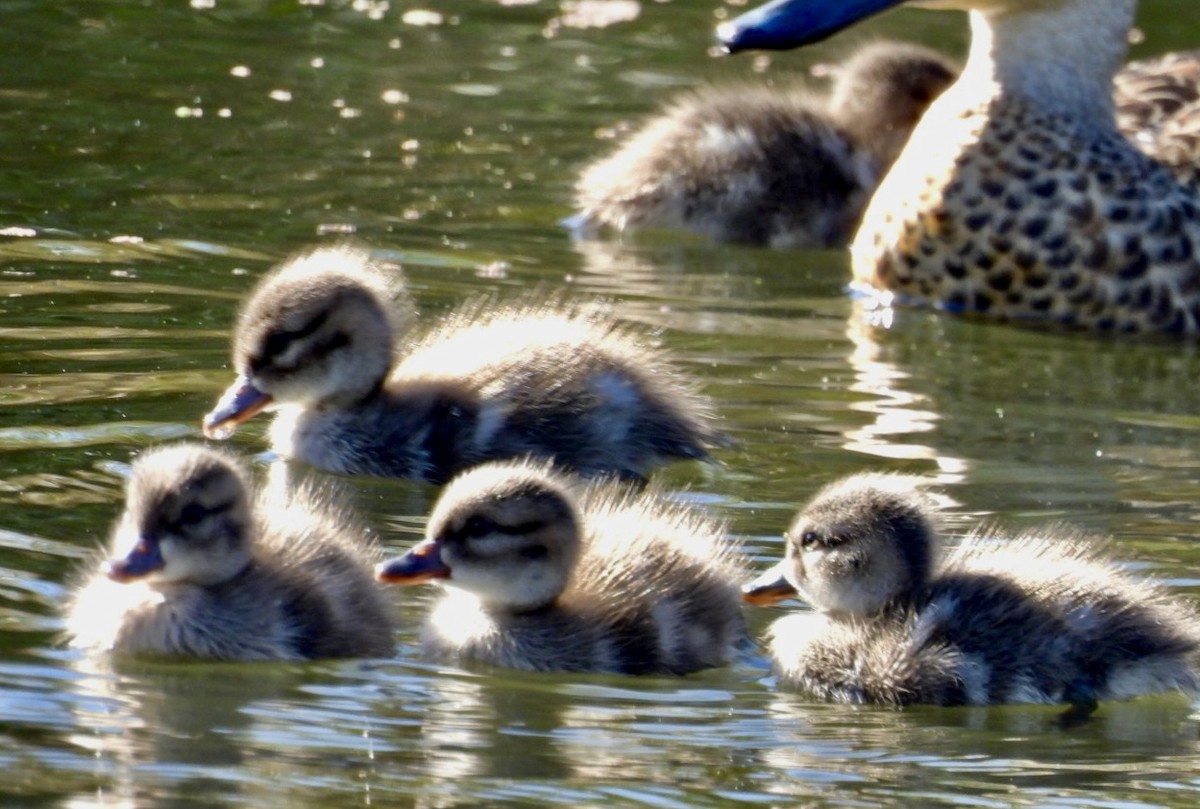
[(1036, 618), (777, 166), (325, 341), (1017, 196), (543, 575), (201, 567)]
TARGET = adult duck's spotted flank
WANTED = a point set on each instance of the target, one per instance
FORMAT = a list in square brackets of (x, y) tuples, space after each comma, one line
[(1017, 196)]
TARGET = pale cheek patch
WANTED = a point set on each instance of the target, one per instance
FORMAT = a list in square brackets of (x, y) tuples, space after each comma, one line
[(178, 563)]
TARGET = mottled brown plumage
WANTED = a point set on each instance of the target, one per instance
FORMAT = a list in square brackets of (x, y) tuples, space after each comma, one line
[(775, 165), (1039, 617), (202, 567), (1018, 198), (545, 575)]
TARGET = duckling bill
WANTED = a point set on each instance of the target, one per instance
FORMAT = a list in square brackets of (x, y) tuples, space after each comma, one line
[(542, 573), (202, 568), (326, 342), (1038, 618)]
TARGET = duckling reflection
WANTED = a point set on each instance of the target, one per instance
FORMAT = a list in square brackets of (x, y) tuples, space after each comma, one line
[(768, 165), (1035, 618), (134, 716), (489, 727), (543, 575), (860, 746), (317, 338), (201, 570)]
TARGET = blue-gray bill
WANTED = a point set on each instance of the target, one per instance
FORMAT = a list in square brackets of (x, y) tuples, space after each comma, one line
[(784, 24)]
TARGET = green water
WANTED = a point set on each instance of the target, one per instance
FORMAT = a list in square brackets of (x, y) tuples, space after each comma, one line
[(157, 157)]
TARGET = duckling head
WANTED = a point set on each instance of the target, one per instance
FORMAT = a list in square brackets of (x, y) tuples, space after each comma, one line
[(860, 544), (881, 92), (509, 533), (317, 331), (186, 519)]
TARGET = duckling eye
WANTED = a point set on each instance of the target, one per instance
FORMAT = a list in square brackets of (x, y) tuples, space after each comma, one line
[(193, 513), (277, 343), (478, 527), (336, 341), (809, 539)]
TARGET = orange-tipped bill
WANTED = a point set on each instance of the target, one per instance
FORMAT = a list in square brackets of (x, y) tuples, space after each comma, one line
[(422, 563), (240, 402), (769, 588), (142, 560)]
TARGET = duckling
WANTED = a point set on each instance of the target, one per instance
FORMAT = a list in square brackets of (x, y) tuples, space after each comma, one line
[(777, 166), (1035, 618), (199, 569), (1158, 109), (542, 575), (1017, 197), (317, 339)]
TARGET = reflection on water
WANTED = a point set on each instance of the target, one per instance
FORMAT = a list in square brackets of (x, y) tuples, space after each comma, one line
[(896, 413), (160, 157)]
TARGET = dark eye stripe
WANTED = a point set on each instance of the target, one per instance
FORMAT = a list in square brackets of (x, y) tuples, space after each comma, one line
[(477, 527), (525, 527), (335, 341), (816, 539), (277, 342), (193, 513), (534, 552)]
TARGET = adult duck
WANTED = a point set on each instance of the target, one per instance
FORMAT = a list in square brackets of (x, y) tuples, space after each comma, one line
[(1018, 197)]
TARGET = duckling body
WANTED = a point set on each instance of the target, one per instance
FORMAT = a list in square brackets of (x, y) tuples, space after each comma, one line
[(1017, 197), (778, 166), (543, 575), (1158, 109), (201, 570), (1033, 618), (317, 339)]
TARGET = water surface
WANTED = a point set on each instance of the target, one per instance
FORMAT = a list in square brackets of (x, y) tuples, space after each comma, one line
[(158, 157)]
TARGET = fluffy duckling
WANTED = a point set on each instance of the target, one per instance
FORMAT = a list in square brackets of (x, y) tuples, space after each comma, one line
[(318, 340), (768, 165), (1158, 109), (1034, 618), (541, 575), (201, 570)]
